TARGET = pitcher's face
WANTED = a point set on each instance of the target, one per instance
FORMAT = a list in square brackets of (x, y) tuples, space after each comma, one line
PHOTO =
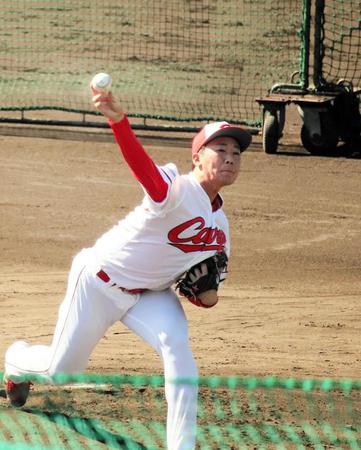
[(219, 161)]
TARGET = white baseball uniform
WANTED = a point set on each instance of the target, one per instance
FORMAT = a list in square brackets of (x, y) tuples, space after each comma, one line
[(127, 275)]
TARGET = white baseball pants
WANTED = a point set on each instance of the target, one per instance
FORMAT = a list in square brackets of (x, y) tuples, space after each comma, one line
[(90, 307)]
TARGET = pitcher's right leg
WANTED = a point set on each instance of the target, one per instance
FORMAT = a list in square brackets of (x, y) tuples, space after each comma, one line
[(84, 316)]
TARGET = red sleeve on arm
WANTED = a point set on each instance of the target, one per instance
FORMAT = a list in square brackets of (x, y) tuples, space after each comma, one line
[(140, 163)]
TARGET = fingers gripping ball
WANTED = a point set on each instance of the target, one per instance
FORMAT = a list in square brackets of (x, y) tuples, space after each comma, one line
[(102, 82), (200, 283)]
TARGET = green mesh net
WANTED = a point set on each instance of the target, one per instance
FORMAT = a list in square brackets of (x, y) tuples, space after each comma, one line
[(128, 412), (340, 36), (179, 60)]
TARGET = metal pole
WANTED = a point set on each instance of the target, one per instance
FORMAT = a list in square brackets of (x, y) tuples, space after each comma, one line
[(319, 50), (305, 45)]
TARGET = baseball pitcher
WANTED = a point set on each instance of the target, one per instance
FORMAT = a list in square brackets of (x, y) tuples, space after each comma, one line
[(177, 239)]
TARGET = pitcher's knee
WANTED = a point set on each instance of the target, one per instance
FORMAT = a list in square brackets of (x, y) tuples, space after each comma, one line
[(177, 356), (173, 342)]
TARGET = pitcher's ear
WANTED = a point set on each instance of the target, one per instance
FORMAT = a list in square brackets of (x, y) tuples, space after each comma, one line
[(196, 158)]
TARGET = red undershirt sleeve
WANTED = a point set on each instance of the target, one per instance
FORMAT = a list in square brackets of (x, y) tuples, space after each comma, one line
[(140, 163)]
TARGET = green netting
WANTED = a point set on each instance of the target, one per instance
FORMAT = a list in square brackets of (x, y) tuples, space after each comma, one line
[(128, 412), (180, 59), (340, 46)]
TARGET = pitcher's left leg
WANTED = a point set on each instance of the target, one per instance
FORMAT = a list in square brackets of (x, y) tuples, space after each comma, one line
[(159, 319)]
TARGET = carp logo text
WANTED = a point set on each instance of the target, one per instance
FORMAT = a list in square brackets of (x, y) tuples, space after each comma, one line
[(193, 236)]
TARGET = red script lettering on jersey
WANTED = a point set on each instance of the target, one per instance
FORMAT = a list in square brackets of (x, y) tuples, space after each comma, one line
[(206, 239)]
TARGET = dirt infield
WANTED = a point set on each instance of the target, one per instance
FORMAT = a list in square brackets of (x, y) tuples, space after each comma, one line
[(290, 306)]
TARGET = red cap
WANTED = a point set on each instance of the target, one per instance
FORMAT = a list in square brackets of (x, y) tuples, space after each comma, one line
[(215, 129)]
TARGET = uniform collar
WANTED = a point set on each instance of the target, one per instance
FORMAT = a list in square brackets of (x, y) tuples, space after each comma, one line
[(217, 202)]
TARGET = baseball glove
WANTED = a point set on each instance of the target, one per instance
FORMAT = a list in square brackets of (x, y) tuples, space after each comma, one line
[(203, 276)]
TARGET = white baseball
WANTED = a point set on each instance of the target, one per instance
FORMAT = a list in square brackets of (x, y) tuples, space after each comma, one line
[(102, 82)]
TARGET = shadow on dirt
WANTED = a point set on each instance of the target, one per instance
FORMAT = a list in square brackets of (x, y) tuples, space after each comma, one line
[(89, 428), (342, 151)]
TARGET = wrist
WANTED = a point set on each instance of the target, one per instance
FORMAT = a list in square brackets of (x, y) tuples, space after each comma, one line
[(208, 298), (205, 300), (116, 119)]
